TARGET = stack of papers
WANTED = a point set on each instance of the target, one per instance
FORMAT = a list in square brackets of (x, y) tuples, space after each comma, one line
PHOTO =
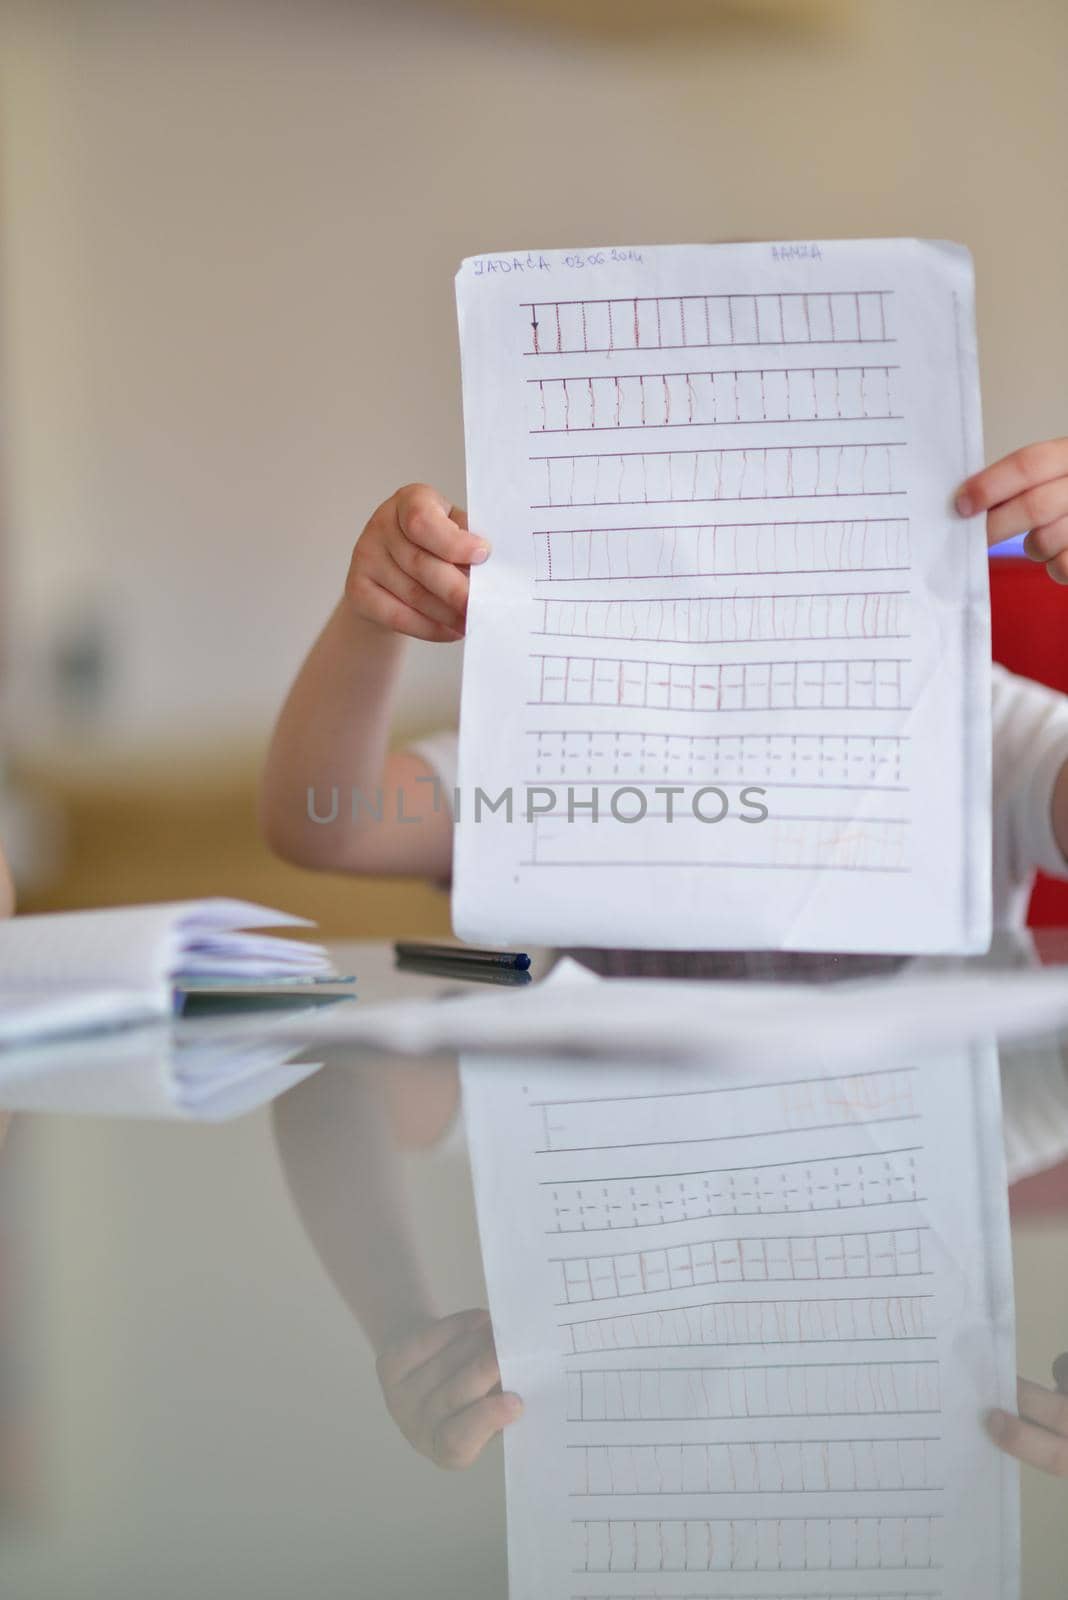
[(93, 969)]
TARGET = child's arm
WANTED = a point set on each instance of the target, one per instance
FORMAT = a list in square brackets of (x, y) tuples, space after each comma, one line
[(1027, 492), (408, 576), (337, 1139)]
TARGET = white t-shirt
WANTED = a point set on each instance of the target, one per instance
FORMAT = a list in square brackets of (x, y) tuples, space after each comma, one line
[(1030, 746)]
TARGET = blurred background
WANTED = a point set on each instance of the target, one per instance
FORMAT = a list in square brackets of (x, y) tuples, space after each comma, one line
[(228, 233)]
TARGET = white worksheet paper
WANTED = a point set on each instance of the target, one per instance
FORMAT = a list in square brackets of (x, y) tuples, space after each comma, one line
[(727, 580), (756, 1325)]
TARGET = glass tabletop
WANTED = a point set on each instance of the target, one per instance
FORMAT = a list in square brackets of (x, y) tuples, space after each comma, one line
[(197, 1258)]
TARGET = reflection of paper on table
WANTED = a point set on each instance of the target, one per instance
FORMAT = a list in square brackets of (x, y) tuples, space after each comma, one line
[(755, 1325), (163, 1071), (728, 1024), (718, 482)]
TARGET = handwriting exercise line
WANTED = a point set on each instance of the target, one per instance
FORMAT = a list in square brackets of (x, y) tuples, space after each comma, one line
[(673, 299), (709, 1172), (740, 450), (740, 572), (717, 1138), (832, 1207), (751, 1303), (747, 1367), (756, 1238), (719, 372), (734, 1088), (725, 866), (590, 781)]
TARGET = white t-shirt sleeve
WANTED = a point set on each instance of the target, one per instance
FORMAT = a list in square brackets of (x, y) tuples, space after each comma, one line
[(440, 752), (1030, 745)]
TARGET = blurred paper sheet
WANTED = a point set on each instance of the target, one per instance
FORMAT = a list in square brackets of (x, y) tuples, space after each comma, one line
[(755, 1327), (183, 1072)]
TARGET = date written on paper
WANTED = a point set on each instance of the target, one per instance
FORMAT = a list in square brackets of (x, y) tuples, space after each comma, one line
[(484, 266)]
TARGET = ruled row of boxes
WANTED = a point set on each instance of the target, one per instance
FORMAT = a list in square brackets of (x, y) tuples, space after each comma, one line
[(823, 1594), (832, 1320), (706, 321), (756, 1466), (756, 1544), (665, 477), (821, 759), (730, 549), (724, 1394), (724, 398), (789, 1258), (794, 685), (831, 1183), (731, 619)]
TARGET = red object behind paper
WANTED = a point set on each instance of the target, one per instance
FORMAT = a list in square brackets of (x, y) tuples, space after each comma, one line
[(1029, 618)]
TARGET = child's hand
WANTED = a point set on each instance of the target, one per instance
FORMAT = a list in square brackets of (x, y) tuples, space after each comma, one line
[(1026, 492), (443, 1388), (1039, 1435), (409, 567)]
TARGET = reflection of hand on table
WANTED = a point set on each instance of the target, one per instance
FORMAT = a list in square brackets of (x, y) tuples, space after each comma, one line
[(341, 1136), (1039, 1434), (7, 907), (442, 1387)]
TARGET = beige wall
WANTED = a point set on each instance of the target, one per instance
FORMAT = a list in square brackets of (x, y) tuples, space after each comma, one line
[(231, 230)]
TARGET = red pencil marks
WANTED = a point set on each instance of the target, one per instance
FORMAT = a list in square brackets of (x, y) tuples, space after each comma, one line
[(777, 319)]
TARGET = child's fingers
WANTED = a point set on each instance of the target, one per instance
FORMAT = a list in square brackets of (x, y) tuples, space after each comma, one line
[(418, 1386), (373, 570), (1034, 1445), (1045, 1406), (384, 608), (423, 518), (1012, 475), (1037, 507), (396, 1362), (459, 1441), (474, 1380), (1049, 542), (389, 575), (442, 578)]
